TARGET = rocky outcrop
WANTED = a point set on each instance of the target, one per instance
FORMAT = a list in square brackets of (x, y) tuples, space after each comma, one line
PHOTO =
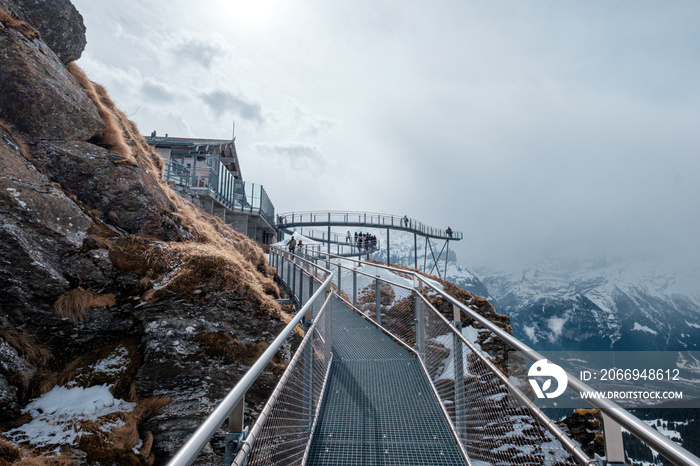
[(100, 261), (39, 96), (131, 198), (40, 227), (60, 25)]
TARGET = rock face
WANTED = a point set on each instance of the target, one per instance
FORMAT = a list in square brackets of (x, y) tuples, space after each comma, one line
[(39, 97), (131, 198), (40, 228), (97, 253), (60, 25)]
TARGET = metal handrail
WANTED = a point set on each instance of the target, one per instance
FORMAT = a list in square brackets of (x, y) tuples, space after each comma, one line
[(348, 218), (247, 446), (663, 445), (194, 445)]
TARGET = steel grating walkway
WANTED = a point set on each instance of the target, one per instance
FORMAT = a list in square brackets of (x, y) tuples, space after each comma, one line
[(379, 408)]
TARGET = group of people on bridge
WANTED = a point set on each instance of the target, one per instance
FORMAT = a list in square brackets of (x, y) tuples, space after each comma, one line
[(362, 241)]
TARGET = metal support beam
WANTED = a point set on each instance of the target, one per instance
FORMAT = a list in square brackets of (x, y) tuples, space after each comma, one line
[(340, 288), (447, 243), (420, 317), (329, 234), (237, 432), (378, 299), (460, 404), (436, 261), (311, 286), (614, 448), (388, 255), (354, 287), (415, 251)]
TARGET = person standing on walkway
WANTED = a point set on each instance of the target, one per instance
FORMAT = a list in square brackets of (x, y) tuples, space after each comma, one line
[(405, 221), (292, 245), (449, 232), (348, 238)]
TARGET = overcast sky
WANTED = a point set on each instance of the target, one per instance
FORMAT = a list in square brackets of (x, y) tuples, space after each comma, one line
[(537, 127)]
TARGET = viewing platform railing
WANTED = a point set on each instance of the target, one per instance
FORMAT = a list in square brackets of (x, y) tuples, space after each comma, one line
[(364, 219)]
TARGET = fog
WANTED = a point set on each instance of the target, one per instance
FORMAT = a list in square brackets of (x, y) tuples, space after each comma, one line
[(540, 129)]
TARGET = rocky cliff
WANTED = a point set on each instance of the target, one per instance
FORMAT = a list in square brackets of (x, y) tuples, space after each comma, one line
[(112, 285)]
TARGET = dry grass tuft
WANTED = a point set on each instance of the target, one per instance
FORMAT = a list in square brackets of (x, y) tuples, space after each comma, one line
[(14, 454), (41, 383), (9, 20), (26, 344), (117, 446), (224, 269), (76, 304), (111, 137)]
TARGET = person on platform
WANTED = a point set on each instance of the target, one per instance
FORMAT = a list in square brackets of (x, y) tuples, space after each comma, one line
[(292, 245), (449, 232), (405, 221)]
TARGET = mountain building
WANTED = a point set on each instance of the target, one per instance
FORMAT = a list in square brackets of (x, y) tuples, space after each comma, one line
[(208, 171)]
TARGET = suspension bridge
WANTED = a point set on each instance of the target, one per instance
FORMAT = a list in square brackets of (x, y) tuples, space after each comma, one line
[(385, 375)]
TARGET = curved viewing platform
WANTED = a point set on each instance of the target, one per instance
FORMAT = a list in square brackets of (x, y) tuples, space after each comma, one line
[(364, 219)]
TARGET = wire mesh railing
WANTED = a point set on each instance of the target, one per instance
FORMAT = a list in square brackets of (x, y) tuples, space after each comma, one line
[(494, 425), (308, 283), (282, 433)]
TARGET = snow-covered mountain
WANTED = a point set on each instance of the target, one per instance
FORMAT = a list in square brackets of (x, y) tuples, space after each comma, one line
[(599, 306)]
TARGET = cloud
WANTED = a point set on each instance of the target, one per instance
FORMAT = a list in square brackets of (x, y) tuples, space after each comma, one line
[(157, 91), (306, 122), (199, 51), (221, 102), (292, 151)]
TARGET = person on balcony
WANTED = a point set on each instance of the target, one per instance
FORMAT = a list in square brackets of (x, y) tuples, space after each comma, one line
[(449, 232), (405, 221), (292, 244)]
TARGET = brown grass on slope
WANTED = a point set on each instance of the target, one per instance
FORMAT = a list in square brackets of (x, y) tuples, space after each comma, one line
[(14, 454), (76, 304), (26, 345), (244, 258), (9, 20), (117, 446), (111, 137)]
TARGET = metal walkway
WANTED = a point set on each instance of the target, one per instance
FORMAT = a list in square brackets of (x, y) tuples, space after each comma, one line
[(379, 407), (382, 377)]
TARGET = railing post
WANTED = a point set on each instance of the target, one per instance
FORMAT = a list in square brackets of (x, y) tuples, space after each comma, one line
[(311, 290), (420, 317), (378, 300), (329, 330), (294, 280), (309, 372), (237, 433), (340, 272), (354, 285), (460, 406), (614, 448)]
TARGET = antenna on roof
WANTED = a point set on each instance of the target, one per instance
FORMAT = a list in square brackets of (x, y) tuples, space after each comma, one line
[(233, 134)]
